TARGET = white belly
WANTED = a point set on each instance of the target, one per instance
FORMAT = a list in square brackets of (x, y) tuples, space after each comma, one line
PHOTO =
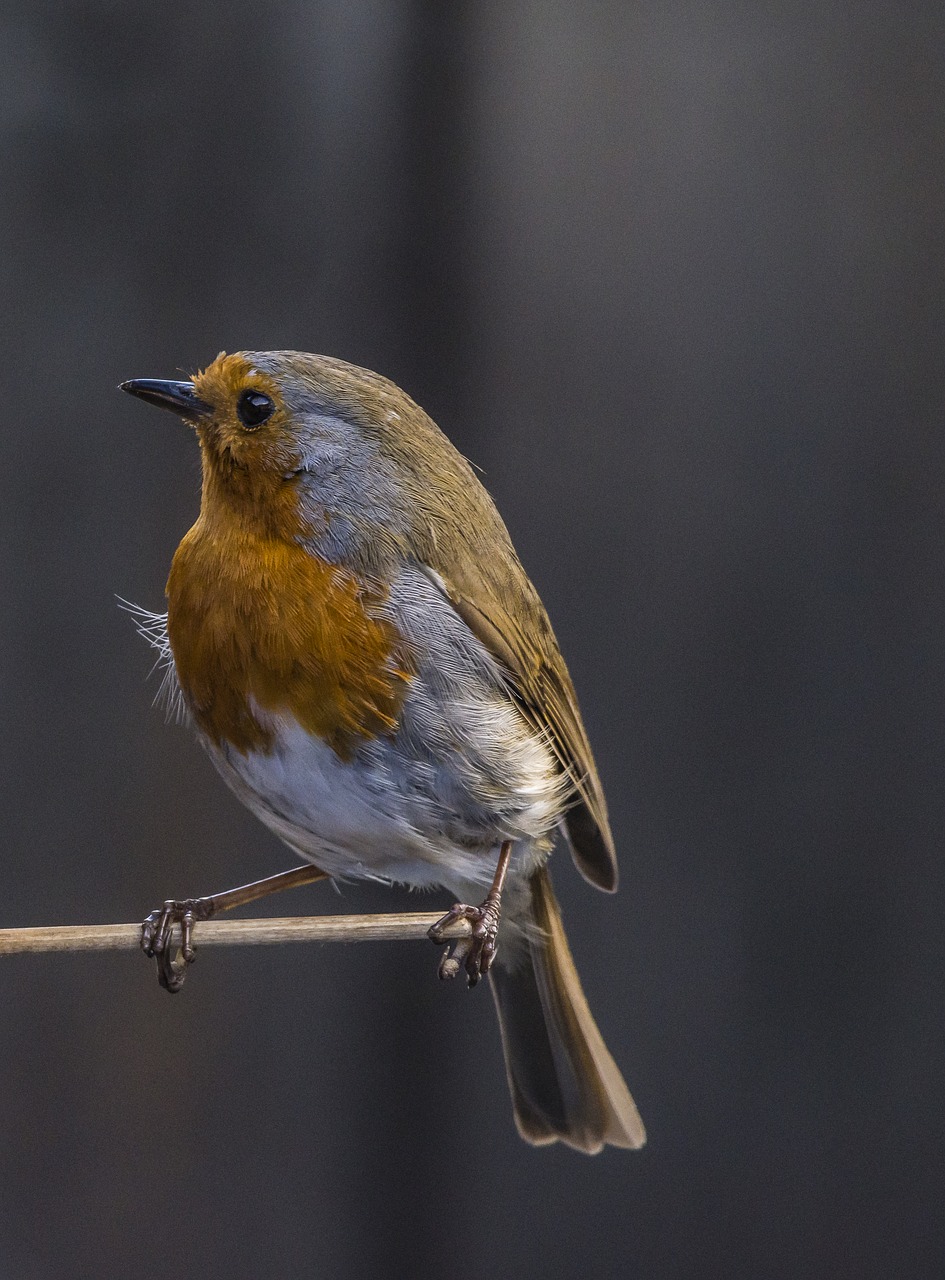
[(383, 815), (428, 805)]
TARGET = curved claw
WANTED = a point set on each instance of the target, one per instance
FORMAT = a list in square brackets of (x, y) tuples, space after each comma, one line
[(156, 938), (171, 971), (476, 952)]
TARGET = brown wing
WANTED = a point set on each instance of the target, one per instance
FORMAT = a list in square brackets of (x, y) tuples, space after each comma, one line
[(526, 647)]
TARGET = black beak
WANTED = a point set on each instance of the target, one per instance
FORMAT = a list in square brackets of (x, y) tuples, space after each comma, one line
[(179, 397)]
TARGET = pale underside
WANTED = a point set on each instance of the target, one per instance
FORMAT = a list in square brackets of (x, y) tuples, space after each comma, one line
[(426, 805)]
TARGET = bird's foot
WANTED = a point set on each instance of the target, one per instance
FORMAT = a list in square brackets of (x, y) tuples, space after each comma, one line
[(476, 952), (156, 937)]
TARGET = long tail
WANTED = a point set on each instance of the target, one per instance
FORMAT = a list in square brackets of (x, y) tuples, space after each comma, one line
[(564, 1083)]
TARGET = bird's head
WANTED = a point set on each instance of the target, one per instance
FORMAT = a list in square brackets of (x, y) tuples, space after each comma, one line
[(308, 444)]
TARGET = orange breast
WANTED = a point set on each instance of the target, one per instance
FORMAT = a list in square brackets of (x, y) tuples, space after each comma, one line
[(258, 624)]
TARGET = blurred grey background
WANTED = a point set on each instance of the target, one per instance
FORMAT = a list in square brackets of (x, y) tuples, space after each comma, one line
[(672, 275)]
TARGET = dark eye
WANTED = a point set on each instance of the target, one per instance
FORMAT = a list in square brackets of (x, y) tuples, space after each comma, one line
[(253, 409)]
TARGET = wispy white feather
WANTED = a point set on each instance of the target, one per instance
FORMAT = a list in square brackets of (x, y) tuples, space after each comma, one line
[(153, 627)]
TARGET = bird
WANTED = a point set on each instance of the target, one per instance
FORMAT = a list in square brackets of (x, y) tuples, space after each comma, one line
[(372, 672)]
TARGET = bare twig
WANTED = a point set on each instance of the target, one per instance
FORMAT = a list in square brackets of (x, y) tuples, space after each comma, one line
[(403, 926)]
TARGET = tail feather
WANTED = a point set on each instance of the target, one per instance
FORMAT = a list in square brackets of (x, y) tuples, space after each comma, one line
[(564, 1083)]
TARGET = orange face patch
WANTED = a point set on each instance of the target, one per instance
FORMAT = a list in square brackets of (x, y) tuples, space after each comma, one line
[(222, 380), (225, 441), (256, 622)]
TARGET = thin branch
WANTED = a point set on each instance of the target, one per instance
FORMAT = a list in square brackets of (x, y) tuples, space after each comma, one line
[(402, 927)]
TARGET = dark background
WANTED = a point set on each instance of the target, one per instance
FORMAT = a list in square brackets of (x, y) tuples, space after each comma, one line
[(671, 273)]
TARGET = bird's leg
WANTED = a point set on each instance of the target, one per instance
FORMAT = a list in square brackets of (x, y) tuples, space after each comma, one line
[(477, 952), (186, 912)]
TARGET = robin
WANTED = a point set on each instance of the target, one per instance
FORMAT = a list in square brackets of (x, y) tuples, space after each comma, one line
[(374, 675)]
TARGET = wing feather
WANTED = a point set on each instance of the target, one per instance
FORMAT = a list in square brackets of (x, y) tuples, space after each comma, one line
[(541, 685)]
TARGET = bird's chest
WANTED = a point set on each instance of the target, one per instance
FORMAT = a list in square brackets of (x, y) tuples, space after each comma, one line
[(260, 627)]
